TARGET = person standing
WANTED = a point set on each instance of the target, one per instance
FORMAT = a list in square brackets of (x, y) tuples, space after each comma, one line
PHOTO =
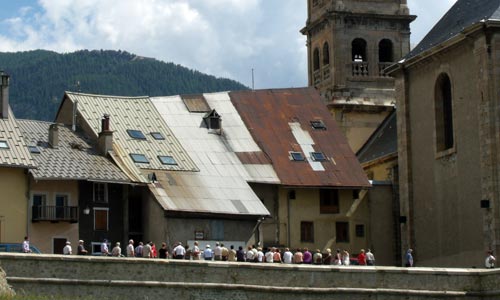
[(208, 253), (146, 250), (104, 248), (298, 257), (287, 256), (67, 249), (224, 253), (196, 251), (490, 260), (217, 251), (346, 260), (338, 258), (370, 258), (117, 251), (163, 250), (26, 245), (307, 259), (318, 257), (179, 251), (328, 257), (130, 248), (81, 248), (240, 254), (232, 254), (138, 250), (269, 255), (409, 258), (250, 255), (362, 258), (260, 254)]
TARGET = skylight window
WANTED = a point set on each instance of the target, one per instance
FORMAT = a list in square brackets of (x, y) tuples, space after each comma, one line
[(318, 156), (136, 134), (297, 156), (34, 149), (167, 160), (139, 158), (157, 136), (4, 145), (318, 125)]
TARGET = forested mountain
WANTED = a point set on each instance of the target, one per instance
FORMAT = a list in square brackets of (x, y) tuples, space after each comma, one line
[(39, 78)]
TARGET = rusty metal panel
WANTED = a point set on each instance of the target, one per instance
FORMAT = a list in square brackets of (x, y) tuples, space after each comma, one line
[(268, 114), (195, 103)]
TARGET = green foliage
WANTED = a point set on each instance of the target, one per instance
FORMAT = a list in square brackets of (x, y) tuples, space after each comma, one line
[(39, 78)]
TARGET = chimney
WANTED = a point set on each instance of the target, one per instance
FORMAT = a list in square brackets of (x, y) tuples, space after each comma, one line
[(105, 139), (4, 95), (53, 135)]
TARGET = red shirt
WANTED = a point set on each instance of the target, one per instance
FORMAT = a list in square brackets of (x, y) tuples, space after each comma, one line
[(362, 259)]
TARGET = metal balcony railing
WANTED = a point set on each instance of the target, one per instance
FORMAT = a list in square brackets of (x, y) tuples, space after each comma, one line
[(54, 213)]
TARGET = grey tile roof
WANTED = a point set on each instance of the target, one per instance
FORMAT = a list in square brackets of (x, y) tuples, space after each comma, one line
[(17, 154), (460, 16), (73, 159), (135, 113), (383, 142)]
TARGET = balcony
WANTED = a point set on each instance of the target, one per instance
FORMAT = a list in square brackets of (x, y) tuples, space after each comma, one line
[(54, 213), (359, 69), (382, 66), (317, 77)]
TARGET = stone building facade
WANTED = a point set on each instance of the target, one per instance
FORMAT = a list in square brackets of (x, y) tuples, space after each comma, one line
[(350, 43), (448, 138)]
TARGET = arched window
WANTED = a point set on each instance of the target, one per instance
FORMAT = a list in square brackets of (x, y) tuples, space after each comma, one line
[(326, 54), (385, 51), (443, 113), (316, 59), (359, 50)]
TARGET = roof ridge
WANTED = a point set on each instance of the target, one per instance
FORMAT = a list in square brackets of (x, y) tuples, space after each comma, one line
[(108, 96)]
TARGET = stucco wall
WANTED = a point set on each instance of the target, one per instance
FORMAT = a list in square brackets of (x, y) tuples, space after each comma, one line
[(13, 205), (110, 278), (444, 189), (306, 207), (42, 233)]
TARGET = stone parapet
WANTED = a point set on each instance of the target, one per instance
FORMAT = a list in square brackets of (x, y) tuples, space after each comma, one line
[(109, 278)]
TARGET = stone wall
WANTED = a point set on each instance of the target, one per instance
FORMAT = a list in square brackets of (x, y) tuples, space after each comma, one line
[(110, 278)]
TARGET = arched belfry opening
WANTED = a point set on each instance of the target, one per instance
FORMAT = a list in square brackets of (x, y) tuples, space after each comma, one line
[(358, 50), (385, 51), (326, 54), (316, 59)]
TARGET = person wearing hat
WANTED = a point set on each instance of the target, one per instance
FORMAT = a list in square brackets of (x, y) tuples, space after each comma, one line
[(179, 251), (67, 249), (208, 254), (81, 248)]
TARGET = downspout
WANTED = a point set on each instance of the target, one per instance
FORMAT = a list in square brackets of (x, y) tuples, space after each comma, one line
[(28, 185)]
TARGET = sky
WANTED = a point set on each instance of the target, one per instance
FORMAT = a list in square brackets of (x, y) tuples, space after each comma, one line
[(225, 38)]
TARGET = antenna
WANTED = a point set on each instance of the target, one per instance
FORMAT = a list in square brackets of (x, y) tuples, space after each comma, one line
[(78, 87), (253, 87)]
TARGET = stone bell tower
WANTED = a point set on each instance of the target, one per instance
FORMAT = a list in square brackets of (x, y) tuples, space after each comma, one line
[(350, 43)]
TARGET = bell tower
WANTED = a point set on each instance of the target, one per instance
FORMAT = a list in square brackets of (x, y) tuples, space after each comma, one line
[(350, 43)]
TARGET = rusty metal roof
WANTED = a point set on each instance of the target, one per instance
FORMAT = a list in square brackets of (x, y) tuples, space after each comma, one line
[(280, 122), (220, 187)]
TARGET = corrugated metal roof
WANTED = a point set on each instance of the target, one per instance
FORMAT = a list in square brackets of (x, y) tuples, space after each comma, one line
[(220, 187), (73, 159), (279, 121), (134, 113), (17, 153), (239, 139)]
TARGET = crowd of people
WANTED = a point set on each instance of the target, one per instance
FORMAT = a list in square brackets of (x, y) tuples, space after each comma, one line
[(221, 253), (251, 254)]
